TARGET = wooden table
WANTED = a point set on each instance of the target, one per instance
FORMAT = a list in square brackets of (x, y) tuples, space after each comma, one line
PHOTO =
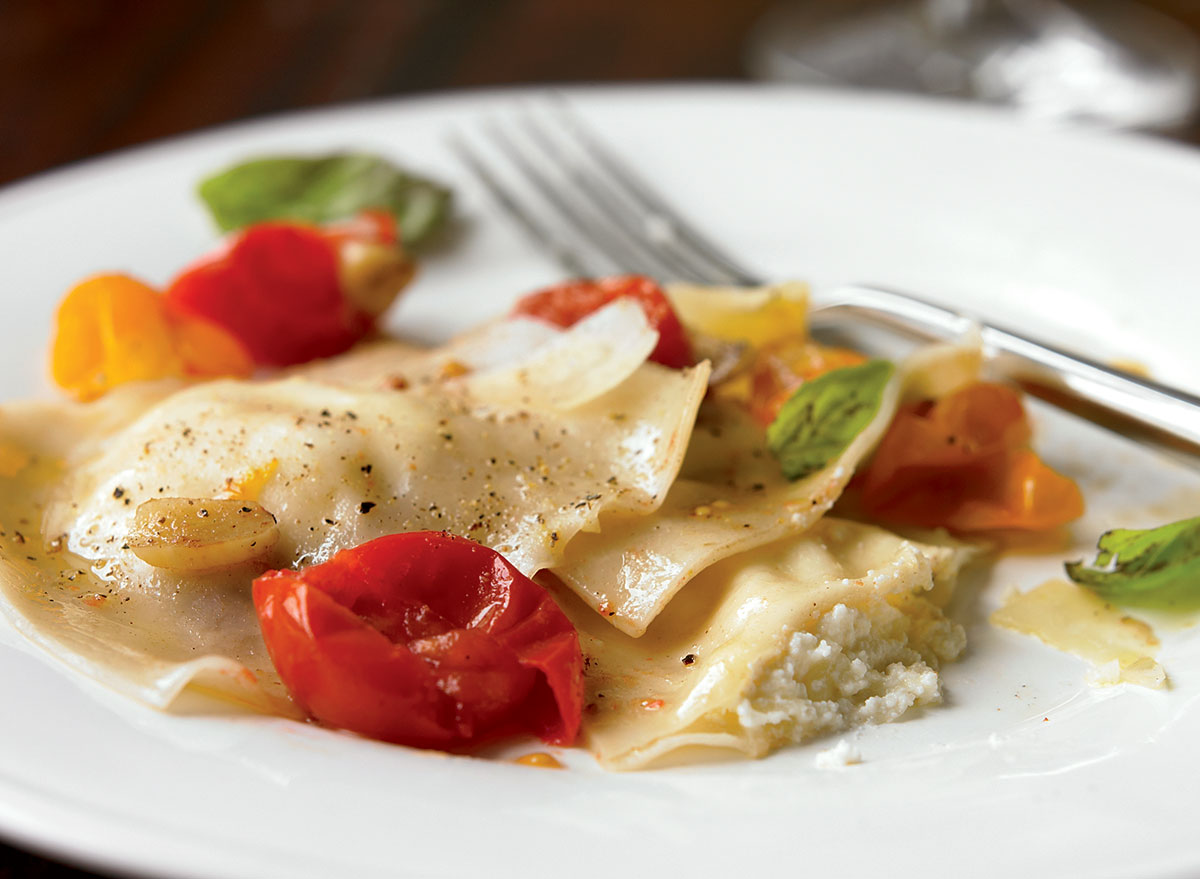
[(82, 77)]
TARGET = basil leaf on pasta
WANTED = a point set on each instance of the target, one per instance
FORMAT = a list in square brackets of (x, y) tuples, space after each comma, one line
[(825, 414)]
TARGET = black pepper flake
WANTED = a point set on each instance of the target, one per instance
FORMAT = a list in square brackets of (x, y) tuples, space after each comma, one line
[(245, 509), (758, 486), (365, 468), (689, 659), (203, 513), (325, 413), (118, 492), (366, 507), (328, 521), (351, 415)]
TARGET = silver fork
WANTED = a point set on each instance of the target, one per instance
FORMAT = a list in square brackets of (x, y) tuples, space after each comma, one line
[(576, 198)]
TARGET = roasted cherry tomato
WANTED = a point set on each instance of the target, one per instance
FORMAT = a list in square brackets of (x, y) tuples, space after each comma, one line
[(278, 290), (424, 639), (566, 304), (964, 462), (781, 367)]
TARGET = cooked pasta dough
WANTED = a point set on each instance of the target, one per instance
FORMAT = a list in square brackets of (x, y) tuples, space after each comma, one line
[(717, 604)]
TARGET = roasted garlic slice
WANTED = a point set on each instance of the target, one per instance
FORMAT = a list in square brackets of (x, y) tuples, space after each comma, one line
[(201, 534)]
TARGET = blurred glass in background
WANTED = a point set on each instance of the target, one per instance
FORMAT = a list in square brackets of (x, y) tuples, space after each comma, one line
[(1110, 63)]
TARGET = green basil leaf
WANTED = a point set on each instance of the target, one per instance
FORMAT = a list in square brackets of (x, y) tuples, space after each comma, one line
[(1157, 566), (321, 189), (825, 414)]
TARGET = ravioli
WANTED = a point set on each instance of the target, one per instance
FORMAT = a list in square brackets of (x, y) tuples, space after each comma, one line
[(719, 606), (337, 464), (730, 497), (809, 635)]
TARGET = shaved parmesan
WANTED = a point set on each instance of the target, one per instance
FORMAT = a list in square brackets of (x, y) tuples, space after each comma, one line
[(1120, 648)]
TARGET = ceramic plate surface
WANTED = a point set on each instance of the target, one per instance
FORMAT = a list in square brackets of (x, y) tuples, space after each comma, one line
[(1087, 241)]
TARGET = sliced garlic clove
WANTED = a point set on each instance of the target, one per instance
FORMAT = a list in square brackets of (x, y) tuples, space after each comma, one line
[(372, 275), (201, 534)]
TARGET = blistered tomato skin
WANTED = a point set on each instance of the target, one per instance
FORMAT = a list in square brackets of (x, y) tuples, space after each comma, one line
[(424, 639), (277, 290), (566, 304)]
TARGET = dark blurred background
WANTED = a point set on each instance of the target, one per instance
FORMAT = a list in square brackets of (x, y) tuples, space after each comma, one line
[(79, 77), (82, 77)]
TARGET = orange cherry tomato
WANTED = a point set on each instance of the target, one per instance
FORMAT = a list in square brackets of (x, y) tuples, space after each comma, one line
[(781, 367), (566, 304), (964, 462), (112, 329), (425, 639)]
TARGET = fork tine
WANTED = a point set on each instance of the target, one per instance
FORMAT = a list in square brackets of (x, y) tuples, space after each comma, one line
[(611, 239), (562, 253), (626, 216), (663, 222)]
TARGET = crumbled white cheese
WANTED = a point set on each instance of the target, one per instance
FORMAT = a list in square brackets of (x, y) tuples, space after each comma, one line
[(858, 666), (840, 756)]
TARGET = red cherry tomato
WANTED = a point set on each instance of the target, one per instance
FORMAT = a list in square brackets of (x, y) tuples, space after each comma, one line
[(277, 290), (964, 462), (566, 304), (425, 639)]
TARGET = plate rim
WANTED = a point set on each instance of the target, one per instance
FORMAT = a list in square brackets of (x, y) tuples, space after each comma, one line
[(1137, 145)]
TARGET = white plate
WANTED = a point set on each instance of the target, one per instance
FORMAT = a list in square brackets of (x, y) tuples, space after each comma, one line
[(1025, 770)]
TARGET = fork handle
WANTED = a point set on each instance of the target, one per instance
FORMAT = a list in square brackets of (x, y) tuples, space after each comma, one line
[(1144, 410)]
